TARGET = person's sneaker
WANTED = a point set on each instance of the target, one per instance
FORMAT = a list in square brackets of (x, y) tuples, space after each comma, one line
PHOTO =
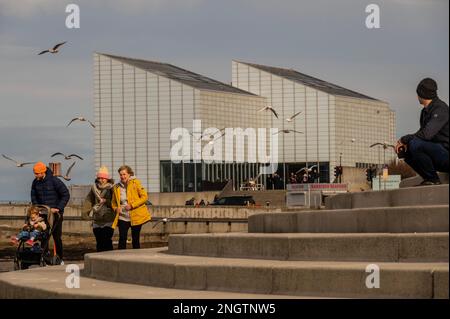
[(429, 183), (62, 262)]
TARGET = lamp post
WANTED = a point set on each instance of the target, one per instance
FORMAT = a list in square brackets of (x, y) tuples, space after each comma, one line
[(352, 140), (385, 145)]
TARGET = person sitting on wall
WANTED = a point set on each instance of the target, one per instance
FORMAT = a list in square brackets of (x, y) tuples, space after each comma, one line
[(426, 151)]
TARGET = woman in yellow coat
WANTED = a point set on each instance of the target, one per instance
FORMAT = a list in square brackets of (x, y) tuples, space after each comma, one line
[(128, 202)]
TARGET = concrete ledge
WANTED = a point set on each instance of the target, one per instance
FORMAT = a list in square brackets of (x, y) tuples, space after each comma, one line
[(440, 284), (49, 282), (427, 247), (362, 220), (414, 196), (299, 278), (416, 180)]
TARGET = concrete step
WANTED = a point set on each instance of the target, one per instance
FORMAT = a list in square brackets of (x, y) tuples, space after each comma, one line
[(427, 247), (276, 198), (426, 219), (414, 196), (50, 282), (416, 180), (156, 268)]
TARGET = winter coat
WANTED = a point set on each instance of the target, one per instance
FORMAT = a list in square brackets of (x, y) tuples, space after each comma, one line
[(136, 198), (50, 191), (103, 213), (433, 124)]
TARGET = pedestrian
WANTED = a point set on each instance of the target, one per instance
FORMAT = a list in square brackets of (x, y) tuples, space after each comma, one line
[(98, 206), (128, 203), (49, 190), (426, 151)]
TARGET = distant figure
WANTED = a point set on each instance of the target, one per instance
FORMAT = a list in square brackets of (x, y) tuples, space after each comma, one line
[(305, 178), (98, 205), (202, 203), (426, 151), (293, 178), (49, 190), (129, 198), (190, 202)]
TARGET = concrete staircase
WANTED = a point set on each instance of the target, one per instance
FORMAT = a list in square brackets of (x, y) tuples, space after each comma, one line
[(296, 254)]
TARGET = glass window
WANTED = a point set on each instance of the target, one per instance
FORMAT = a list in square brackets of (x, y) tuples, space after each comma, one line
[(177, 174), (199, 176), (324, 172), (189, 177), (165, 177)]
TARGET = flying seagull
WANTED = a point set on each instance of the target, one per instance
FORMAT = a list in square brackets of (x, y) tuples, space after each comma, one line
[(55, 49), (163, 220), (268, 107), (66, 177), (82, 119), (287, 132), (306, 168), (385, 145), (67, 157), (211, 136), (293, 116), (18, 164)]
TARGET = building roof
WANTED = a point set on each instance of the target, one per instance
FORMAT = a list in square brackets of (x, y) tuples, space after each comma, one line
[(178, 74), (310, 81)]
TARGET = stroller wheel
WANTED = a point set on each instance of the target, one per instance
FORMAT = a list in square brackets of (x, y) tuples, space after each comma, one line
[(24, 265), (42, 262)]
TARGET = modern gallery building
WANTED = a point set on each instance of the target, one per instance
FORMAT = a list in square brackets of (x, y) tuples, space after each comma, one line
[(338, 125), (145, 110), (138, 104)]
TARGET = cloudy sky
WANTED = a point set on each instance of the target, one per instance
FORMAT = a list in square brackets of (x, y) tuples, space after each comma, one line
[(323, 38)]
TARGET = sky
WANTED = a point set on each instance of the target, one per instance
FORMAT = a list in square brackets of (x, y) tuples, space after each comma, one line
[(327, 39)]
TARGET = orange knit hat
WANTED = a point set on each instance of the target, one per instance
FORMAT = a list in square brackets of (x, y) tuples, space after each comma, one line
[(39, 168)]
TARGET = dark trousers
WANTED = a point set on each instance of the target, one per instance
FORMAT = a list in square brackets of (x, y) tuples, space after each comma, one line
[(57, 234), (123, 234), (426, 158), (103, 236)]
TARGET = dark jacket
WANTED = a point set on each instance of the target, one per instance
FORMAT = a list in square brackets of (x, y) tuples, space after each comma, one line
[(433, 124), (50, 191)]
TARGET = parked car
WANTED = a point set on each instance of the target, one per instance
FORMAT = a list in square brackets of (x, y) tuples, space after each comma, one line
[(239, 200)]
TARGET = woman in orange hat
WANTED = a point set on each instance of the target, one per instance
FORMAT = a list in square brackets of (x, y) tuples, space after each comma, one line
[(98, 207)]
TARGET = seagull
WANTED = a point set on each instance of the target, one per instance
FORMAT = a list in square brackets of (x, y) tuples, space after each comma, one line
[(53, 50), (18, 164), (211, 136), (82, 119), (163, 220), (293, 116), (66, 177), (385, 145), (67, 157), (287, 131), (268, 107), (305, 168)]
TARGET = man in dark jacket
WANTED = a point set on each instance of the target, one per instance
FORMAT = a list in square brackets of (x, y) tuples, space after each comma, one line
[(50, 191), (426, 151)]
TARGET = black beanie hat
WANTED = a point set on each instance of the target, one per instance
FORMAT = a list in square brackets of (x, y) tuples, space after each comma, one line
[(427, 89)]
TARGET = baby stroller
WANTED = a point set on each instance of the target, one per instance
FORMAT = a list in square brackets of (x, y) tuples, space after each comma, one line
[(39, 253)]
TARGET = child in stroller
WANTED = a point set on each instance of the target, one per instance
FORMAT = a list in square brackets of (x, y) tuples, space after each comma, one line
[(33, 228), (36, 233)]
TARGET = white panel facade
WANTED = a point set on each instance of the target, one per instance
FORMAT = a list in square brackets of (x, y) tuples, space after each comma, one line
[(367, 122)]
